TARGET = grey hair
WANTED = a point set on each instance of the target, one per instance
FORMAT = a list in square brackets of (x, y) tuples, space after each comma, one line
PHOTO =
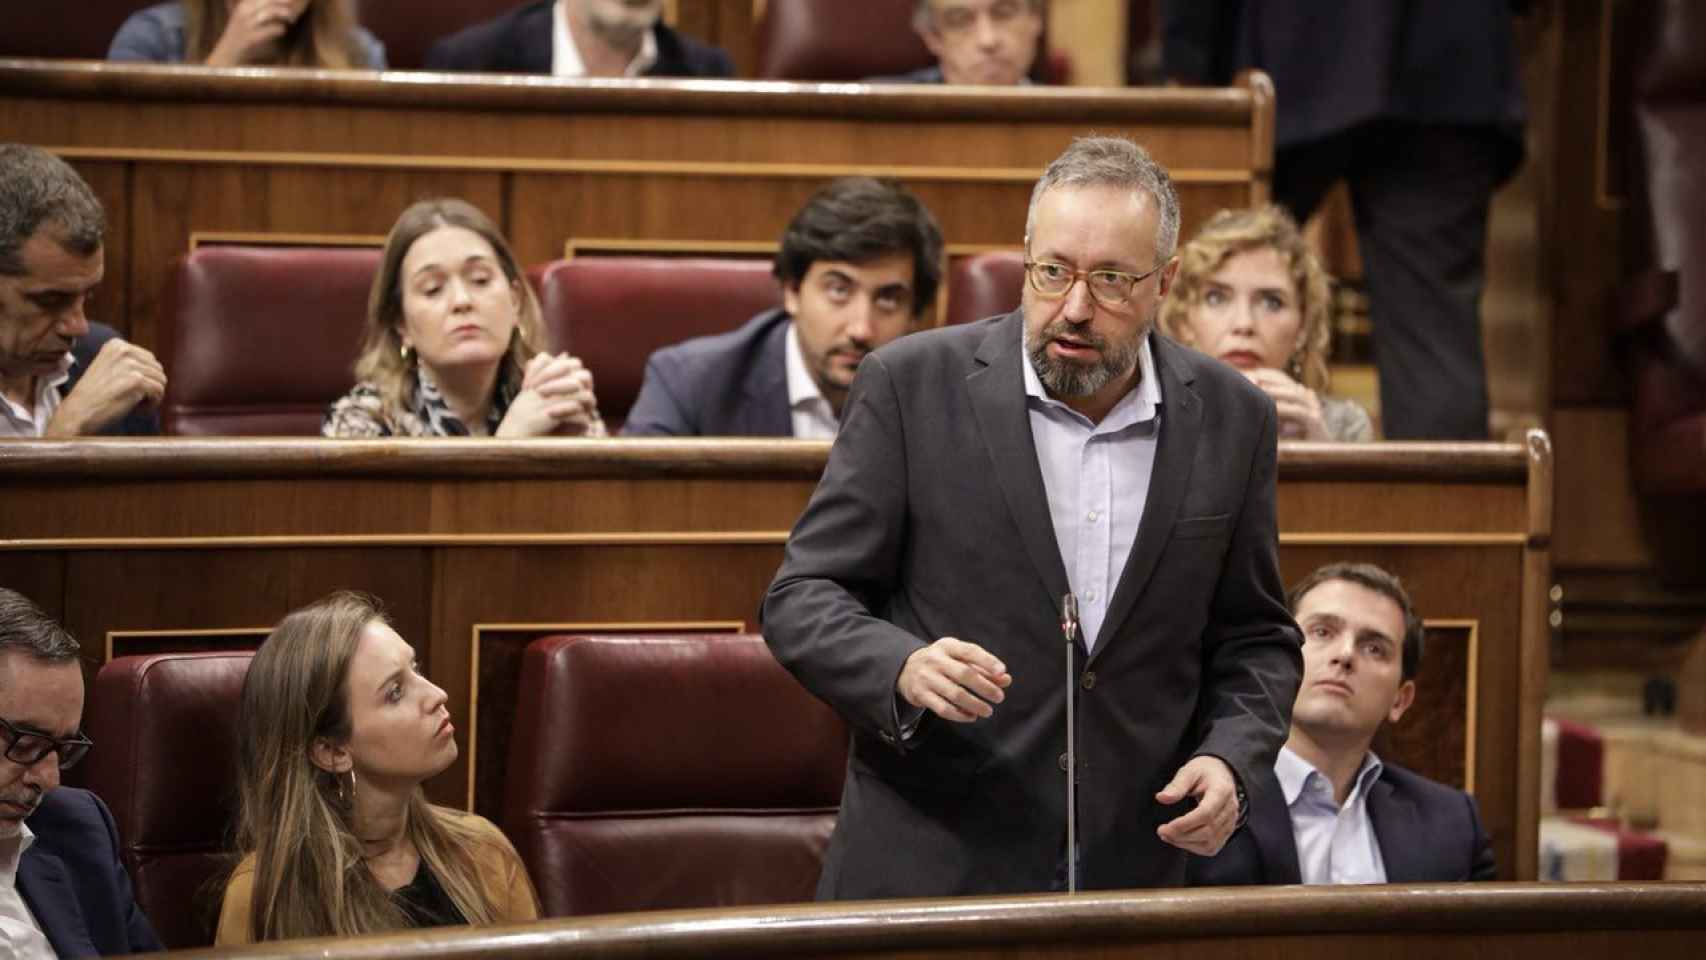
[(921, 13), (38, 188), (24, 627), (1113, 162)]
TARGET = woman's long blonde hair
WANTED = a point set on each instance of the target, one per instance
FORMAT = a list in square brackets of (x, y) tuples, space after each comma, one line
[(310, 880), (382, 362), (1232, 232), (324, 36)]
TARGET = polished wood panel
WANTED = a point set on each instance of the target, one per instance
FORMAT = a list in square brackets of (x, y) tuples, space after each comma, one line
[(461, 538), (1489, 921), (191, 150)]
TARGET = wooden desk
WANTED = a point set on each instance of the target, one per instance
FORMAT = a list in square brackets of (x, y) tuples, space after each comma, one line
[(178, 153), (479, 548), (1503, 921)]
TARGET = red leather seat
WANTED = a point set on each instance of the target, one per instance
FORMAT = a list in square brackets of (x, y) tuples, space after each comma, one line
[(613, 311), (163, 760), (82, 30), (659, 772), (261, 340), (409, 27), (837, 40), (984, 285)]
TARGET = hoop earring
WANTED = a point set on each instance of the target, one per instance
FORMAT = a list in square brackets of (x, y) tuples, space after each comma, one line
[(346, 792), (407, 353), (1294, 367)]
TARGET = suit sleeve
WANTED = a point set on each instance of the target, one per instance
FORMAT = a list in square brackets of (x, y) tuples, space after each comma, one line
[(1252, 655), (139, 933), (842, 564), (658, 411), (1484, 867)]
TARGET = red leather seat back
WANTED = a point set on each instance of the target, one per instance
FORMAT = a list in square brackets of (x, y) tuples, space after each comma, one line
[(838, 40), (163, 760), (261, 340), (82, 30), (613, 311), (409, 27), (984, 284), (662, 772)]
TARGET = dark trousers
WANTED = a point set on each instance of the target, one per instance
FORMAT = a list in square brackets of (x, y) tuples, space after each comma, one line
[(1420, 196)]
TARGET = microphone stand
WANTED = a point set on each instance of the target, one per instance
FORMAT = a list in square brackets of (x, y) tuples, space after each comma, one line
[(1069, 627)]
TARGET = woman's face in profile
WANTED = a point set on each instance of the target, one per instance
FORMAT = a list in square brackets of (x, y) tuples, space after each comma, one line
[(1248, 313), (459, 309), (400, 730)]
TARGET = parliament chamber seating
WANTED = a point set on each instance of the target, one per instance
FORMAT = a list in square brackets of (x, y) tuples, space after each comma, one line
[(409, 27), (669, 771), (613, 311), (84, 32), (1664, 308), (260, 340), (838, 41), (163, 760), (984, 284)]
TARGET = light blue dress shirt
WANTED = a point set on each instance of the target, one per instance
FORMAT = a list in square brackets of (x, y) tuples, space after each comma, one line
[(1097, 479), (1334, 844)]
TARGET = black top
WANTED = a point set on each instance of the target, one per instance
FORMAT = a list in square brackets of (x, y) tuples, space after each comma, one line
[(425, 903)]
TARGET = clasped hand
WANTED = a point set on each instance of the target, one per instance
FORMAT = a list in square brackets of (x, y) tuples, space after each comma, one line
[(556, 397)]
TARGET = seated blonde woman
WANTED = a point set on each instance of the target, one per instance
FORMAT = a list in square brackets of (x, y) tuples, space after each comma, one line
[(452, 346), (249, 33), (337, 729), (1250, 293)]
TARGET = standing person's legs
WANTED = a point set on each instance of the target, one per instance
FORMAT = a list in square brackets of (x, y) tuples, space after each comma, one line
[(1303, 173), (1421, 196)]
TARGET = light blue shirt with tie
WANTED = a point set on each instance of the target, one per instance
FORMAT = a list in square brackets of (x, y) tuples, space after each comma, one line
[(1335, 844), (1097, 479)]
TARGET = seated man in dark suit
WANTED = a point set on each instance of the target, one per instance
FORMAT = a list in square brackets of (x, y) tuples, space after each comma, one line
[(60, 375), (859, 264), (990, 42), (1332, 812), (63, 891), (579, 38)]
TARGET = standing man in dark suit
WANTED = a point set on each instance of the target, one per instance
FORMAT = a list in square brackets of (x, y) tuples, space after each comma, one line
[(579, 38), (981, 473), (1330, 811), (859, 265), (63, 890), (60, 375), (1418, 107)]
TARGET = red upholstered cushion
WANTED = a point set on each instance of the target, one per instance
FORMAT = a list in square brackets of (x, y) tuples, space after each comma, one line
[(1640, 856), (261, 340), (985, 284), (83, 29), (163, 761), (613, 311), (838, 40), (669, 771), (1581, 765)]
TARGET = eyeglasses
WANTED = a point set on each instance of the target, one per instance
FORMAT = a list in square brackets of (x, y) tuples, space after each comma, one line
[(1111, 288), (960, 19), (27, 747)]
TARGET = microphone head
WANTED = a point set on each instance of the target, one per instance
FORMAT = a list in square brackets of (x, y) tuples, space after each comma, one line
[(1069, 614)]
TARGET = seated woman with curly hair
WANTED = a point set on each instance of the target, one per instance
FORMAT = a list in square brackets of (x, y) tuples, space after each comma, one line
[(452, 344), (337, 730), (1249, 292)]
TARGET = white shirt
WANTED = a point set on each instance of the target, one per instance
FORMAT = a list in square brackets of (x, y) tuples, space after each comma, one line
[(1334, 844), (1097, 478), (812, 416), (566, 57), (15, 421), (20, 936)]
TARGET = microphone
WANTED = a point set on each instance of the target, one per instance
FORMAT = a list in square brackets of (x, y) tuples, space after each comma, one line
[(1069, 627)]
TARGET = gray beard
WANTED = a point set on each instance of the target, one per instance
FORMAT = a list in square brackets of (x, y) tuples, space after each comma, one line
[(1067, 379)]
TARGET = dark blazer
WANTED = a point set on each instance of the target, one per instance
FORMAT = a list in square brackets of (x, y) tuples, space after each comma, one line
[(144, 421), (1428, 833), (74, 882), (520, 42), (733, 384), (1339, 63), (931, 520)]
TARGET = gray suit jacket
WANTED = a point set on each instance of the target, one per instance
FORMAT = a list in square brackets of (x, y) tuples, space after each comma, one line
[(733, 384), (931, 520), (1428, 833)]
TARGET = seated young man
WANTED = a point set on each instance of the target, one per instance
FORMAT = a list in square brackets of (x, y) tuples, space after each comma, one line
[(1333, 812), (859, 264), (580, 38)]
